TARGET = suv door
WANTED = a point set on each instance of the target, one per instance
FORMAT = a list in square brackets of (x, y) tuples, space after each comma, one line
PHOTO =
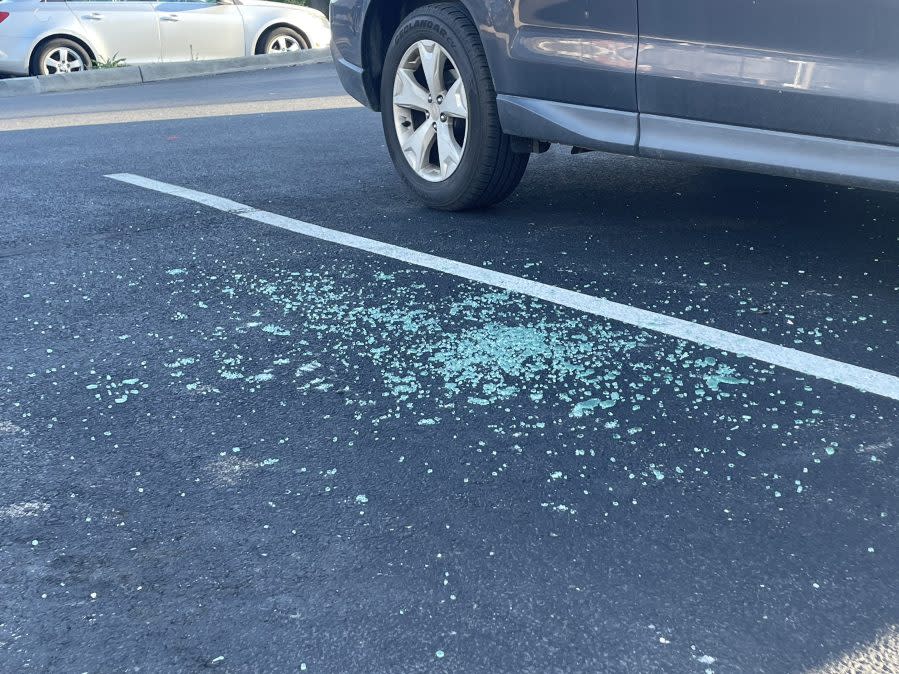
[(197, 31), (820, 67), (574, 51), (121, 29)]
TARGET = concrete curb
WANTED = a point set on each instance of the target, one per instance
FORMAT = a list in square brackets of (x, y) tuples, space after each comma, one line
[(18, 87), (89, 79), (156, 72)]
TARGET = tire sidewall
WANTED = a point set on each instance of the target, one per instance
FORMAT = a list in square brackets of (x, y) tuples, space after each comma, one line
[(428, 27)]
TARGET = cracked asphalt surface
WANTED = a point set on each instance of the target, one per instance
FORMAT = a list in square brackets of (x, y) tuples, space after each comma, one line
[(228, 446)]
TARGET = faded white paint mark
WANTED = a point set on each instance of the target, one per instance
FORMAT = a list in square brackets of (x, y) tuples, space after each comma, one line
[(26, 509)]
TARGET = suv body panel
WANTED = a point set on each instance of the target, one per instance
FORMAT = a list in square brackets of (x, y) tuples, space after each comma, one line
[(820, 67), (574, 51), (801, 88)]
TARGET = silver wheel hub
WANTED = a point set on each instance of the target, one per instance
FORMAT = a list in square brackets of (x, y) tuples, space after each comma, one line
[(63, 60), (283, 43), (430, 111)]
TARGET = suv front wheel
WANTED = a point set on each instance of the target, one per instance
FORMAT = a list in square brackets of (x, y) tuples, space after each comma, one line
[(438, 107)]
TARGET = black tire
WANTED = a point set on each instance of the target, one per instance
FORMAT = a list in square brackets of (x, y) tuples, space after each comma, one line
[(262, 47), (37, 66), (489, 171)]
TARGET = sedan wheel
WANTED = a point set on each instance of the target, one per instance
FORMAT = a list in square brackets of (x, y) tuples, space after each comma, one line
[(63, 60), (283, 43), (58, 57), (281, 40)]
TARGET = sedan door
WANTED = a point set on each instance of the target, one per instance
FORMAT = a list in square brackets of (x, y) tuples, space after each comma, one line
[(199, 31), (125, 30), (819, 67)]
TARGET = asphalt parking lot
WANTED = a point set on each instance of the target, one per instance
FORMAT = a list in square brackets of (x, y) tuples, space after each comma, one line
[(230, 445)]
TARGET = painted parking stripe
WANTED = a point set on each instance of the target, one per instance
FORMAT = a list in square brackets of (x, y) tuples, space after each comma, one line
[(792, 359)]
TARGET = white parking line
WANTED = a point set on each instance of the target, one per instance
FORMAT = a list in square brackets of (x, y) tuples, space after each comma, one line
[(823, 368)]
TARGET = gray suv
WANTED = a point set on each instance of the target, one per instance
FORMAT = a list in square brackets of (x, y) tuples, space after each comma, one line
[(469, 89)]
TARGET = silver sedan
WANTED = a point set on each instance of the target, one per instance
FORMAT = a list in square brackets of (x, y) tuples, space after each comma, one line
[(45, 37)]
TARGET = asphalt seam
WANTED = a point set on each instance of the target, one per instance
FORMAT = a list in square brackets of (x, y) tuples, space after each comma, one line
[(838, 372)]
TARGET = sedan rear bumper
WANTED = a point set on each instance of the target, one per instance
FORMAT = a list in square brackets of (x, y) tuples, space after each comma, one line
[(14, 55)]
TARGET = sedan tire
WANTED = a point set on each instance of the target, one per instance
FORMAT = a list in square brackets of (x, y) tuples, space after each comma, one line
[(438, 108), (59, 56)]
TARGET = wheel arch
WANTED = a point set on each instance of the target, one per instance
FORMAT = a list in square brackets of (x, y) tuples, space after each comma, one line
[(382, 18), (44, 39), (277, 23)]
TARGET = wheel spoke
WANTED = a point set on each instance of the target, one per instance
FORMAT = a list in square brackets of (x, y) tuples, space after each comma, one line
[(417, 146), (455, 103), (408, 93), (448, 149), (432, 62)]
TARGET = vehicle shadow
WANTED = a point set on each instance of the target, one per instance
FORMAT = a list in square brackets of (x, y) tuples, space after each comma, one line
[(585, 187)]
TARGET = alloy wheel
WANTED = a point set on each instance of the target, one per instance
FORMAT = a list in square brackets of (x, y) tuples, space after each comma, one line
[(430, 110), (63, 60), (283, 43)]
